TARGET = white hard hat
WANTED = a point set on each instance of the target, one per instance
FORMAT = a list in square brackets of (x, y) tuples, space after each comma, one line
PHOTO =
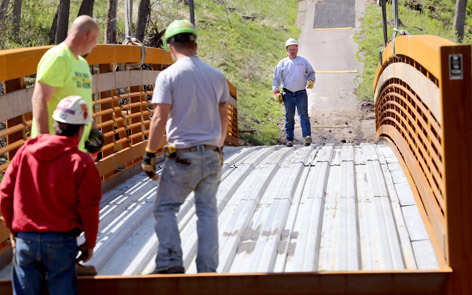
[(290, 41), (72, 110)]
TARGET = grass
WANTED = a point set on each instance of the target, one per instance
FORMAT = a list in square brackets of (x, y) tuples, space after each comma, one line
[(246, 50), (435, 18)]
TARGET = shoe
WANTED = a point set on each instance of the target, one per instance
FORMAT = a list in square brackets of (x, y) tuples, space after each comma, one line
[(289, 143), (170, 270), (85, 270), (307, 140)]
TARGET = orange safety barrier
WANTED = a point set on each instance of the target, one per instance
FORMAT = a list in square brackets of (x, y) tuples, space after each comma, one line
[(422, 103), (122, 108)]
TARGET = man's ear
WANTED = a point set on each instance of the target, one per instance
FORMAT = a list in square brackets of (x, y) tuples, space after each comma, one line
[(89, 35)]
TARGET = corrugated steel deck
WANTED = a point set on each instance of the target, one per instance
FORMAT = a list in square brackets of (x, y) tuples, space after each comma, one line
[(316, 208)]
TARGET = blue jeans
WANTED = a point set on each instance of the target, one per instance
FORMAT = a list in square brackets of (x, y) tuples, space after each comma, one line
[(44, 259), (299, 100), (176, 183)]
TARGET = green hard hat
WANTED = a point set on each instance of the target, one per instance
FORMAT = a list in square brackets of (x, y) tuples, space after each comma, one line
[(177, 27)]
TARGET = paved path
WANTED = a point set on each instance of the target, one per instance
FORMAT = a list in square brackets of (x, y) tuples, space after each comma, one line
[(336, 114)]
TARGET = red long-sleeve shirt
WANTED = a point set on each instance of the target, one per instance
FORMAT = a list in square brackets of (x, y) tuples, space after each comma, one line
[(51, 186)]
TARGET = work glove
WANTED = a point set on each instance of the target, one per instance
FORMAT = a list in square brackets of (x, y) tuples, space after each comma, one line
[(309, 84), (278, 97), (149, 164), (95, 141)]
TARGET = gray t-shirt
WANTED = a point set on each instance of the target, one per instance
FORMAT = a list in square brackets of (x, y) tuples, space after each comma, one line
[(293, 73), (194, 90)]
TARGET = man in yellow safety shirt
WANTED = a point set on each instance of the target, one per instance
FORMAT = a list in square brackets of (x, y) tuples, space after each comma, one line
[(62, 72)]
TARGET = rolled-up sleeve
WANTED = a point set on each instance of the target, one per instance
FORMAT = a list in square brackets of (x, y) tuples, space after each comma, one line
[(310, 73)]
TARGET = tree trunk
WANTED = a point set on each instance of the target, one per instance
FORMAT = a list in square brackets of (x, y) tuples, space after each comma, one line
[(16, 16), (62, 21), (110, 29), (459, 18), (144, 11), (3, 9), (86, 8), (52, 32)]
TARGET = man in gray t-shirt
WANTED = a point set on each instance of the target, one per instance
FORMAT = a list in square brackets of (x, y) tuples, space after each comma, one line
[(191, 99)]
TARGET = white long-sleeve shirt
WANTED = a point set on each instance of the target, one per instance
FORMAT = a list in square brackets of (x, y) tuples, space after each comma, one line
[(293, 74)]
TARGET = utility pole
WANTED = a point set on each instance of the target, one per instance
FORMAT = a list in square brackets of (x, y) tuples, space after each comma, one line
[(192, 12)]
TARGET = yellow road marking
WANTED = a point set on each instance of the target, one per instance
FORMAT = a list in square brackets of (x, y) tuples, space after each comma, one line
[(336, 72), (333, 29)]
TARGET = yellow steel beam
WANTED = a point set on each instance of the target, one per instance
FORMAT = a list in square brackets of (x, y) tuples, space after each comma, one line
[(456, 101), (22, 62), (424, 49), (386, 282)]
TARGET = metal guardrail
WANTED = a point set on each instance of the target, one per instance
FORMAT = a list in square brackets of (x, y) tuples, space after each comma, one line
[(122, 108), (422, 102)]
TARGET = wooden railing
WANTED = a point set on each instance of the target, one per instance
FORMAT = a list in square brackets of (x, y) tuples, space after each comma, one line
[(422, 104), (122, 108)]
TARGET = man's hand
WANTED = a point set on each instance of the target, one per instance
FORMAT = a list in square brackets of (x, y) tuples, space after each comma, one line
[(95, 141), (309, 84), (149, 164), (278, 97), (85, 253)]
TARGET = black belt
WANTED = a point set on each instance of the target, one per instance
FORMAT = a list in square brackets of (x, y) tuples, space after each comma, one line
[(197, 148), (292, 92)]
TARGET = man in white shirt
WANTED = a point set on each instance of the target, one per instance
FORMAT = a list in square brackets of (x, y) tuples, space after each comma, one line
[(191, 99), (295, 73)]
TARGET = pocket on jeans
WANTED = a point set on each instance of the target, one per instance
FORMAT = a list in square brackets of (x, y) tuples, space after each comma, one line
[(61, 256), (24, 252), (180, 169)]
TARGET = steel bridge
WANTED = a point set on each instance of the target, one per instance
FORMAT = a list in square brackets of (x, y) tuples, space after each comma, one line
[(386, 218)]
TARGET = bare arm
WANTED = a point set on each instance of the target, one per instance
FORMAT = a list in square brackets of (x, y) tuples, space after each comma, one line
[(41, 95), (223, 110), (158, 126)]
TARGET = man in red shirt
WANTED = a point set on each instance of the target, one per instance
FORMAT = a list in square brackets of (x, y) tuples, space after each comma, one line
[(50, 193)]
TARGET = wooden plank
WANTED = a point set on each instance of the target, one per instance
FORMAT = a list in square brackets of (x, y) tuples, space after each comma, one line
[(423, 49), (418, 181), (120, 158), (28, 58), (11, 130), (15, 103), (456, 100), (232, 90), (419, 83), (411, 139), (117, 53)]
